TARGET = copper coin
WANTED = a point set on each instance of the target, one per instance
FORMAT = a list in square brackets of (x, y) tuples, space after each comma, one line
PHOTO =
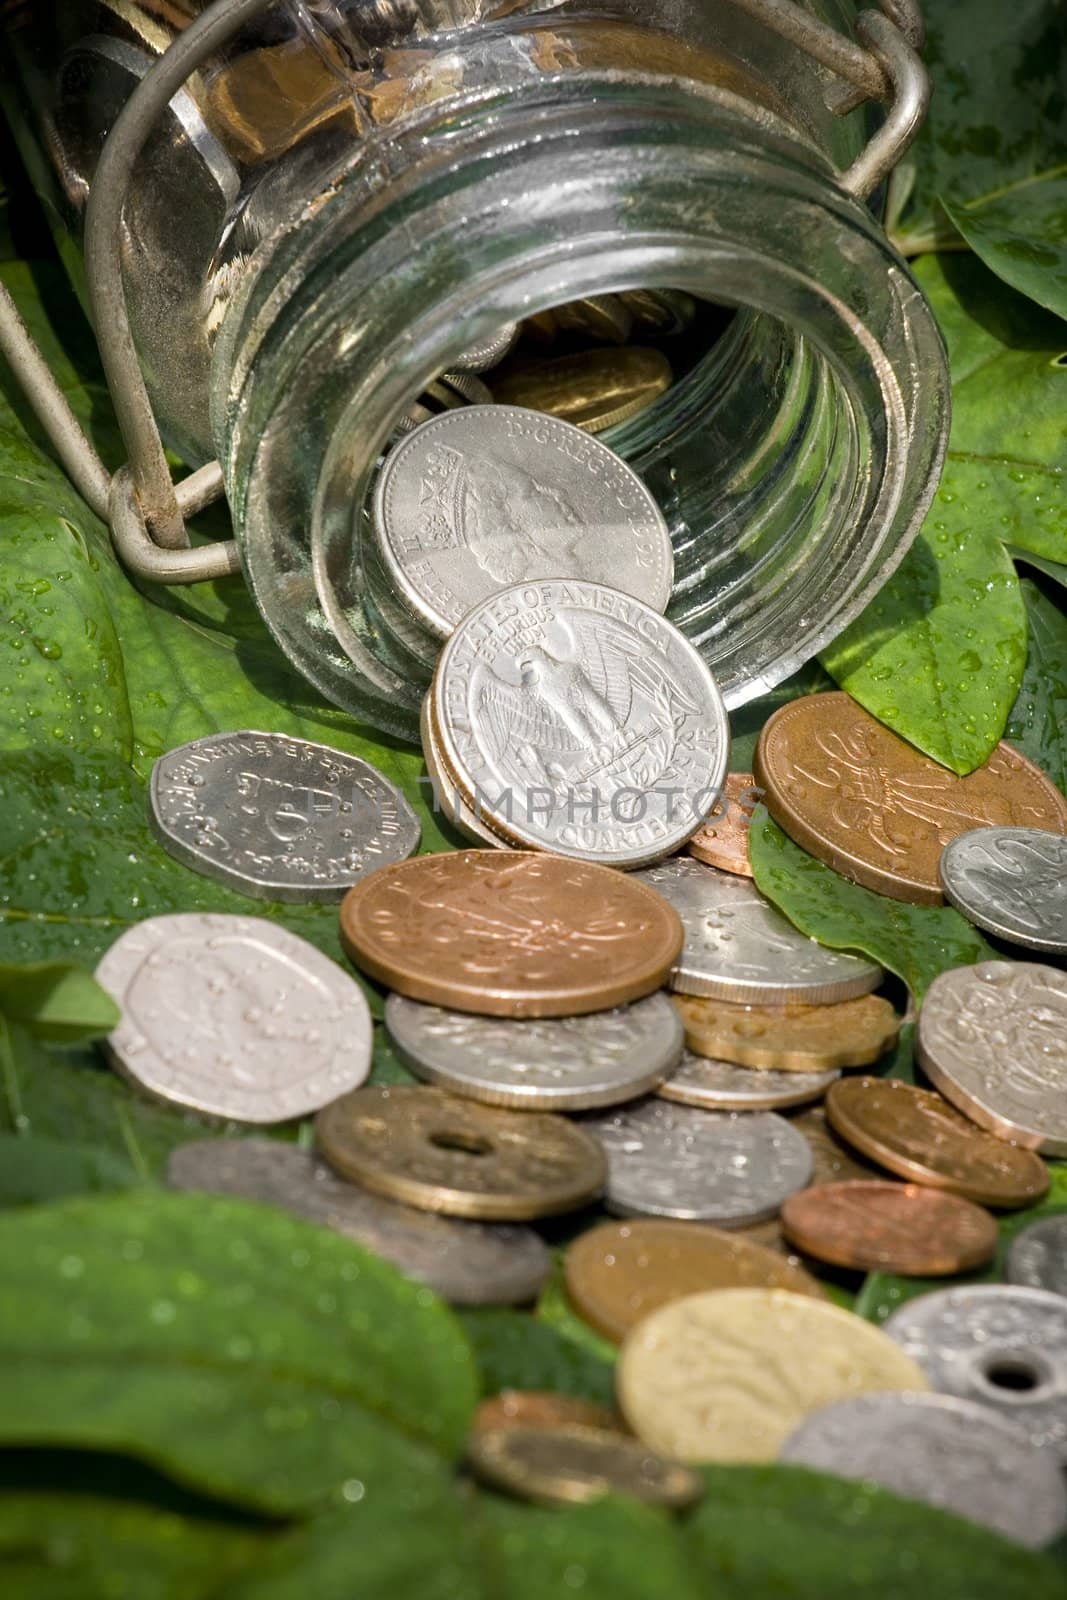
[(723, 840), (573, 1466), (431, 1150), (516, 934), (877, 1226), (790, 1038), (542, 1408), (835, 1161), (918, 1135), (860, 799), (620, 1272)]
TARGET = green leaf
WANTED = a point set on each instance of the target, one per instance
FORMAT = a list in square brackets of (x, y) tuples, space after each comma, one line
[(516, 1351), (1038, 723), (1021, 235), (1052, 569), (56, 1000), (554, 1309), (32, 1170), (612, 1550), (746, 723)]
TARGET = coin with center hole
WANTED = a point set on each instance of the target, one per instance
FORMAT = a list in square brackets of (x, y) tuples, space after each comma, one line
[(876, 1226), (723, 840), (721, 1086), (790, 1038), (1012, 882), (574, 1465), (1037, 1258), (542, 1408)]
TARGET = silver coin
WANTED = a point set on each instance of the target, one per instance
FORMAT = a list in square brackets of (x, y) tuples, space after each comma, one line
[(720, 1086), (943, 1451), (738, 947), (485, 497), (584, 720), (278, 818), (993, 1039), (445, 794), (489, 352), (559, 1064), (467, 1263), (1037, 1257), (1012, 882), (235, 1017), (1001, 1346), (700, 1166)]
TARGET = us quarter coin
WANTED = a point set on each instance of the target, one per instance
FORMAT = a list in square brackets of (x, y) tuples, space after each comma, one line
[(487, 497), (1012, 882), (278, 818), (720, 1086), (993, 1039), (1037, 1258), (738, 947), (466, 1263), (551, 1064), (447, 797), (700, 1166), (234, 1017), (943, 1451)]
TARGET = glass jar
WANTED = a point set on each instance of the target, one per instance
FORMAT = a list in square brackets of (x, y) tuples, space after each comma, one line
[(355, 194)]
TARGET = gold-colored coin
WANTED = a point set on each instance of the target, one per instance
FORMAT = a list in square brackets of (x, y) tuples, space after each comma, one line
[(835, 1161), (595, 390), (664, 312), (727, 1376), (542, 1408), (790, 1038), (602, 317), (573, 1466), (439, 1153), (622, 1271)]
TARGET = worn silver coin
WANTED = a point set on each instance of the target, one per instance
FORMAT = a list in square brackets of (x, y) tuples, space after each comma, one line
[(235, 1017), (1037, 1257), (446, 797), (466, 1263), (699, 1166), (993, 1039), (555, 1064), (583, 721), (1002, 1346), (739, 947), (943, 1451), (278, 818), (1012, 882), (720, 1086)]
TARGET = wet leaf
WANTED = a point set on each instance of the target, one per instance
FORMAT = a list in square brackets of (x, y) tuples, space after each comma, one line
[(1052, 569), (517, 1351), (1038, 723), (32, 1170), (612, 1550), (1021, 235)]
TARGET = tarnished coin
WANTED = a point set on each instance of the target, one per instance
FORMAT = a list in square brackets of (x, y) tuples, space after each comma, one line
[(834, 1161), (489, 352), (729, 1375), (488, 497), (790, 1038), (594, 391), (542, 1408), (722, 1086), (429, 1149), (859, 798), (554, 1064), (597, 316), (1012, 882), (665, 312), (1037, 1258), (943, 1451), (574, 1465), (701, 1166), (993, 1039), (918, 1135), (622, 1271), (723, 840), (882, 1226), (584, 720), (447, 798), (738, 947), (467, 1263), (234, 1017), (1002, 1346), (278, 818), (515, 934)]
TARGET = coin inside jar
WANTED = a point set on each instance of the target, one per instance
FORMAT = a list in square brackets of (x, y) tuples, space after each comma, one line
[(790, 1038), (876, 1226), (594, 390), (542, 1408), (723, 840), (574, 1465)]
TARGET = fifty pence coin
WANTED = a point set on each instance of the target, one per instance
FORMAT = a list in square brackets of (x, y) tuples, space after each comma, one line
[(793, 1037), (486, 497), (1012, 882), (738, 947), (943, 1451), (1037, 1257), (234, 1017), (993, 1039), (554, 1064), (876, 1225), (702, 1166), (466, 1263), (278, 818), (574, 1465), (721, 1086)]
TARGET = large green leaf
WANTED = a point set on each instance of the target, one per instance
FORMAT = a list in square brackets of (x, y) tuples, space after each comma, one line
[(49, 1169), (613, 1550), (516, 1351), (1021, 235), (56, 1000), (1038, 723)]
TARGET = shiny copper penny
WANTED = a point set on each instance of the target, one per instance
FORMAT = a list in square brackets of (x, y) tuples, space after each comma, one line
[(859, 798), (572, 1466), (835, 1161), (723, 840), (878, 1226), (515, 934), (790, 1038), (542, 1408), (918, 1135)]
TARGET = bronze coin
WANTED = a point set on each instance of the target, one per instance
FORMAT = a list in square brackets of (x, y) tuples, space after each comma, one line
[(572, 1466), (723, 840), (835, 1161), (621, 1271), (876, 1226), (595, 390), (542, 1408), (790, 1038), (515, 934), (860, 799), (918, 1135)]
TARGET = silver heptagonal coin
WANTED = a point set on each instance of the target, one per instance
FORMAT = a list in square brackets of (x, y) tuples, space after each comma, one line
[(700, 1166), (738, 947), (555, 1064), (486, 497), (466, 1263), (944, 1451), (1012, 882), (278, 818), (720, 1086), (1037, 1257), (235, 1017)]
